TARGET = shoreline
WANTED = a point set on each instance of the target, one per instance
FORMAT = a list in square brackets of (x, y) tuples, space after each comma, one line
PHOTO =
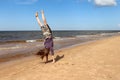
[(30, 51)]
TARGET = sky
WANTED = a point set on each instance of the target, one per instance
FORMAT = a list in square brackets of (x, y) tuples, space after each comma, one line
[(60, 14)]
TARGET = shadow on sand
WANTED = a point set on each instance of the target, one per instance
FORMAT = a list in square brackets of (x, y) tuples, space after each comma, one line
[(56, 59)]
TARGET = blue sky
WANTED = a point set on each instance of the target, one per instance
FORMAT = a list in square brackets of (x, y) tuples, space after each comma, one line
[(60, 14)]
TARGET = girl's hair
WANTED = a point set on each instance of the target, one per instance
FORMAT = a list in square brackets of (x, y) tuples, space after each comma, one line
[(49, 28)]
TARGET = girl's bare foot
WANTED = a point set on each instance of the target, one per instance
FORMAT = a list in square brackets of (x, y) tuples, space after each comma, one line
[(53, 59)]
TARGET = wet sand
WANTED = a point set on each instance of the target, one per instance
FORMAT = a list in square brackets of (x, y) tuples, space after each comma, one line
[(96, 60), (16, 50)]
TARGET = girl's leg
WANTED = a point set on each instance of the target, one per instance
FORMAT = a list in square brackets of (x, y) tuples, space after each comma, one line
[(46, 58), (52, 53)]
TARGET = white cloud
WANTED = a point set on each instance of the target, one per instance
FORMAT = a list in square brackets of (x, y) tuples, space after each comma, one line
[(25, 1), (105, 2)]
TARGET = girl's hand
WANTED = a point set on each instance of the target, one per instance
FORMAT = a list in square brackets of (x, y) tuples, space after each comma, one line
[(42, 12), (36, 14)]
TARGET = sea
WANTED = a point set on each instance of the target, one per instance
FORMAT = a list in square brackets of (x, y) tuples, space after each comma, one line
[(35, 35)]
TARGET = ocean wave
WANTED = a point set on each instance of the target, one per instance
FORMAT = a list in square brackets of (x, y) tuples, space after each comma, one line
[(13, 47), (31, 40), (93, 35), (21, 41)]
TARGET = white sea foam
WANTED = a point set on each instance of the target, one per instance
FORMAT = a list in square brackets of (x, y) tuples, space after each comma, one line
[(30, 40), (62, 39), (79, 36), (14, 47), (58, 38), (107, 34)]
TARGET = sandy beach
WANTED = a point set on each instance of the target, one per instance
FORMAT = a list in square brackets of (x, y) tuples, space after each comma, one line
[(96, 60)]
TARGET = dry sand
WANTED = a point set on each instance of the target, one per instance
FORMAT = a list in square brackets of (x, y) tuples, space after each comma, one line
[(98, 60)]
